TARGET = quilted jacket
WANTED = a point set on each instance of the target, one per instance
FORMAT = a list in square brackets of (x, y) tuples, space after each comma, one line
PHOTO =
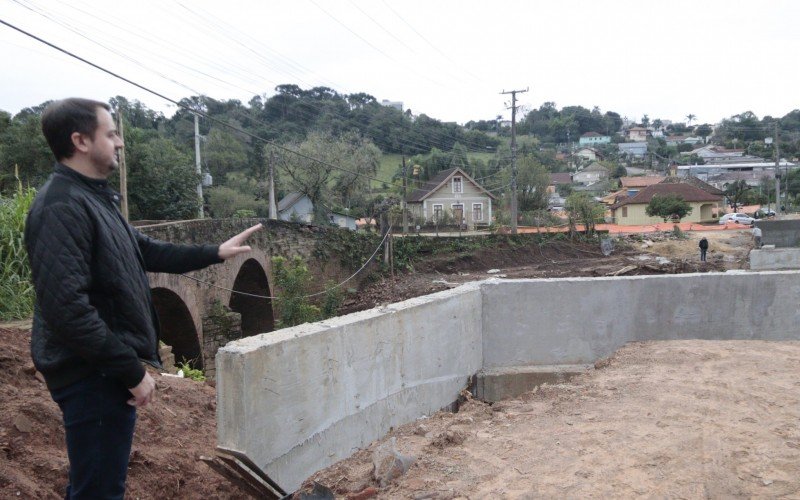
[(94, 311)]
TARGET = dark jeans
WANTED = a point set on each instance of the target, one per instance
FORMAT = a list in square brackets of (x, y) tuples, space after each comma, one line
[(703, 254), (99, 427)]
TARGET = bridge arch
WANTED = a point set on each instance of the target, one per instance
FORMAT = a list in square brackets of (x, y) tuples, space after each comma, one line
[(257, 314), (178, 327)]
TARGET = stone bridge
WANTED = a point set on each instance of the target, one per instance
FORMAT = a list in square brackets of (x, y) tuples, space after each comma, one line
[(198, 318)]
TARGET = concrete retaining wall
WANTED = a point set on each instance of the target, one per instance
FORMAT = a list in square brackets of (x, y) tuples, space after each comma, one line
[(579, 320), (774, 258), (299, 399), (781, 233)]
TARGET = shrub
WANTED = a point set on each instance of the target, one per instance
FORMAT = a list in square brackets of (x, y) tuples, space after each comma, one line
[(16, 290), (192, 373), (292, 280)]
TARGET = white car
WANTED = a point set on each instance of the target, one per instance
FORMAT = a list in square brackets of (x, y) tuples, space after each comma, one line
[(737, 217)]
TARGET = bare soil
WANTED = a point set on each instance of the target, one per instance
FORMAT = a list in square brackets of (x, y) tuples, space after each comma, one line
[(672, 419), (179, 426), (171, 433)]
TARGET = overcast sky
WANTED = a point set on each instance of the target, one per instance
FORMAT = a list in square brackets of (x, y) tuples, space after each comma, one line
[(447, 59)]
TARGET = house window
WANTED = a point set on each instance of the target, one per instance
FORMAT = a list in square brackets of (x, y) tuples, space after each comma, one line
[(624, 211), (437, 213), (477, 212), (457, 185)]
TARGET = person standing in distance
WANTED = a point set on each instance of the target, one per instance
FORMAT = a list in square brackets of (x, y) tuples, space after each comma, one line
[(703, 248), (757, 237), (94, 323)]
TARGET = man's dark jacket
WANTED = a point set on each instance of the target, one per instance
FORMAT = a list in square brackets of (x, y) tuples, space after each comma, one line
[(94, 311)]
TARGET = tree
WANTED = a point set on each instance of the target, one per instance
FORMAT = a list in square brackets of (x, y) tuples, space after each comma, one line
[(668, 206), (645, 121), (162, 182), (314, 171), (223, 153), (532, 182), (736, 193), (583, 209), (704, 131), (657, 124), (690, 118)]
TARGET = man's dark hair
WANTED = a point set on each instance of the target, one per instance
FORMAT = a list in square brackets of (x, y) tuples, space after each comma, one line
[(62, 118)]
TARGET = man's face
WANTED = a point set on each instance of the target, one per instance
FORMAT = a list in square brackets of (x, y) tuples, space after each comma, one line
[(105, 145)]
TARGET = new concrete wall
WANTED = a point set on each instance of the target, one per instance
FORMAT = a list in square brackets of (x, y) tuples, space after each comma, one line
[(299, 399), (781, 233), (774, 258), (579, 320)]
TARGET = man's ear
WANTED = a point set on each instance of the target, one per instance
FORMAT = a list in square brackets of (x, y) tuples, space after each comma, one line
[(80, 141)]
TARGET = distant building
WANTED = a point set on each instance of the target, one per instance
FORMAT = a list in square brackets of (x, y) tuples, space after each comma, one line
[(631, 210), (590, 154), (393, 104), (634, 149), (452, 192), (591, 174), (592, 138), (638, 134)]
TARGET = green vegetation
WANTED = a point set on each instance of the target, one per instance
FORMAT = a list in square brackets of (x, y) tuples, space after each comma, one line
[(16, 290), (293, 281), (668, 207), (192, 373)]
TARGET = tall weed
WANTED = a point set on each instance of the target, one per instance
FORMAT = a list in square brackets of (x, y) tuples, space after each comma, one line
[(16, 290)]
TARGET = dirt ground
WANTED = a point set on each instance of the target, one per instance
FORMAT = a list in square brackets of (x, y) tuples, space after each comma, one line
[(180, 425), (170, 435), (633, 254), (673, 419)]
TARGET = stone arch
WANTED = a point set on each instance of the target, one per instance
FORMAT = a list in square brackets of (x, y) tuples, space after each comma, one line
[(257, 314), (177, 327)]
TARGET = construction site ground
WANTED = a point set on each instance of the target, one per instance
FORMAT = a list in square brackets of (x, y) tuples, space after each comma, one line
[(591, 437)]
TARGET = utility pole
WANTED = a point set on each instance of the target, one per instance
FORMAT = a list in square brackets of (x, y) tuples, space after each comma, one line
[(777, 173), (197, 165), (513, 157), (273, 207), (123, 169), (403, 205)]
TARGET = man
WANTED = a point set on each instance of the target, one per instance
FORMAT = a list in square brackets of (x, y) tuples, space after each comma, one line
[(94, 323), (703, 248), (757, 236)]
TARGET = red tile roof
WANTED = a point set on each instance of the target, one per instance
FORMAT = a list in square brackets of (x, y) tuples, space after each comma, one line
[(686, 191), (561, 178), (640, 181)]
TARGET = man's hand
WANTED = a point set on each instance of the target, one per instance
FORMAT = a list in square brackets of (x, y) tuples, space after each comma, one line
[(234, 247), (143, 393)]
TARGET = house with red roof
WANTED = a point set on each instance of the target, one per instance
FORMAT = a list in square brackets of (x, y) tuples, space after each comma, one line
[(631, 210)]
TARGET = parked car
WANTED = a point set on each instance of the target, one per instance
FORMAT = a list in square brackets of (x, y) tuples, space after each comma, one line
[(738, 218), (765, 212)]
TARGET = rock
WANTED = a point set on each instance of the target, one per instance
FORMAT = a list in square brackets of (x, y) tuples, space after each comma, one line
[(29, 369), (39, 377), (23, 423), (449, 437), (421, 430), (425, 495), (363, 494), (492, 271)]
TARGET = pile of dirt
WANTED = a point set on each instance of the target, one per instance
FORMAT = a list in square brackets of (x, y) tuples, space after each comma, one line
[(686, 419), (171, 433)]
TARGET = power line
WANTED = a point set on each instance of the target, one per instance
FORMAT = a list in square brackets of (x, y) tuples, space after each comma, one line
[(229, 33), (187, 108)]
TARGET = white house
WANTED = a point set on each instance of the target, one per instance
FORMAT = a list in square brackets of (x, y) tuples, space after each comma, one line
[(454, 193)]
